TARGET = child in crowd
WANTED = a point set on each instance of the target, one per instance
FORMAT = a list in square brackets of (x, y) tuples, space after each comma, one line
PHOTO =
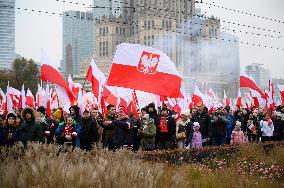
[(196, 141), (238, 136)]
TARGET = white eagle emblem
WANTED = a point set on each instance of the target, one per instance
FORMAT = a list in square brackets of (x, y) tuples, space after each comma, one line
[(148, 63)]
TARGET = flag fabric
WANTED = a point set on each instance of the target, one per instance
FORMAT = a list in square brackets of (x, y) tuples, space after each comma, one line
[(199, 97), (239, 99), (258, 99), (50, 73), (96, 77), (22, 103), (40, 96), (30, 101), (47, 101), (247, 81), (281, 90), (143, 68), (226, 99)]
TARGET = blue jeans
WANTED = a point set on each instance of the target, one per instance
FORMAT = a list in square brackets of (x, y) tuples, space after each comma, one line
[(218, 140)]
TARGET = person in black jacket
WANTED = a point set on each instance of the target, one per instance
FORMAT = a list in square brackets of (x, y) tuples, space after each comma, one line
[(9, 131), (219, 129), (30, 129), (89, 132), (202, 117), (75, 113), (166, 130), (123, 131)]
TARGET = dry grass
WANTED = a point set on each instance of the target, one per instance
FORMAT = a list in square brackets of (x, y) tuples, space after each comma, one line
[(42, 165)]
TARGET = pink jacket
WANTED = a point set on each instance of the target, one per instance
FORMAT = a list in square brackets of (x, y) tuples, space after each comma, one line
[(238, 137)]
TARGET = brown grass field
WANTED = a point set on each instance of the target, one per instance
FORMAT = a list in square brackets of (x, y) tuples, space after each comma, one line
[(41, 165)]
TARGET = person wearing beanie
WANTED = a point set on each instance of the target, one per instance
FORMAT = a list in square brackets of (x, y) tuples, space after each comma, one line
[(30, 129), (147, 133), (238, 136), (9, 132), (196, 141)]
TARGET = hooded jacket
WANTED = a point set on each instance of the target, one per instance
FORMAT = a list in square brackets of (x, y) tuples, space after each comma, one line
[(30, 129)]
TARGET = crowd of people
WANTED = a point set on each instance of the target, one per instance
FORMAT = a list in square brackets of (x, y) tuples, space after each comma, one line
[(154, 129)]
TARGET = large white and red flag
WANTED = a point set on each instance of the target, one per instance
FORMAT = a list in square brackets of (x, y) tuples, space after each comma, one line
[(40, 96), (50, 73), (247, 81), (143, 68), (281, 90), (22, 103)]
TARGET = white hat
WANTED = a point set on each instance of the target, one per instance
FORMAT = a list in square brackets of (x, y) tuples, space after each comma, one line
[(196, 125)]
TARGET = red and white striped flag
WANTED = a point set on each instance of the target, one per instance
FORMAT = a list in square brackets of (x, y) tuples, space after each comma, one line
[(50, 73)]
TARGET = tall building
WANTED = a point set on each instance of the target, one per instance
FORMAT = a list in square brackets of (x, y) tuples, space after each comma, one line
[(107, 8), (194, 43), (77, 40), (260, 74), (7, 33)]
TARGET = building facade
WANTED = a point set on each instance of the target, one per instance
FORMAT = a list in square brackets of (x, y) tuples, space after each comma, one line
[(7, 33), (202, 53), (77, 40), (259, 74)]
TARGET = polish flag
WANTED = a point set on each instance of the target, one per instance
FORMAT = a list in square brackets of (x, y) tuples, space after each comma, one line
[(40, 96), (143, 68), (9, 103), (198, 97), (258, 99), (247, 81), (22, 103), (96, 77), (50, 73), (281, 89), (81, 104), (54, 104), (239, 100), (15, 96), (30, 100), (248, 99), (74, 87), (47, 101), (226, 100)]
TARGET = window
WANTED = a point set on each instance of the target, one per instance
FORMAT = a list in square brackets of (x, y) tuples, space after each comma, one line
[(153, 24), (107, 48), (116, 30), (149, 25), (163, 23), (104, 31)]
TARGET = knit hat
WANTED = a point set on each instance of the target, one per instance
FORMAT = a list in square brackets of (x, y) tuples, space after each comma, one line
[(11, 114), (196, 125), (41, 109), (57, 114), (238, 123)]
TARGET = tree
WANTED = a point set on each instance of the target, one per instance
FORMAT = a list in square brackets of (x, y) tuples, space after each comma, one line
[(23, 71)]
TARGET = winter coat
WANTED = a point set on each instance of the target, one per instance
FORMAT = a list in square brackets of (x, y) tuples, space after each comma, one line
[(5, 131), (123, 133), (238, 137), (59, 133), (89, 133), (30, 130), (230, 125), (196, 141), (205, 123), (166, 129), (147, 141), (267, 128), (278, 129), (109, 129), (183, 129), (219, 126)]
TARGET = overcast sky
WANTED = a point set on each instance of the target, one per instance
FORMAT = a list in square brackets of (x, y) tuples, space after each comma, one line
[(35, 31)]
